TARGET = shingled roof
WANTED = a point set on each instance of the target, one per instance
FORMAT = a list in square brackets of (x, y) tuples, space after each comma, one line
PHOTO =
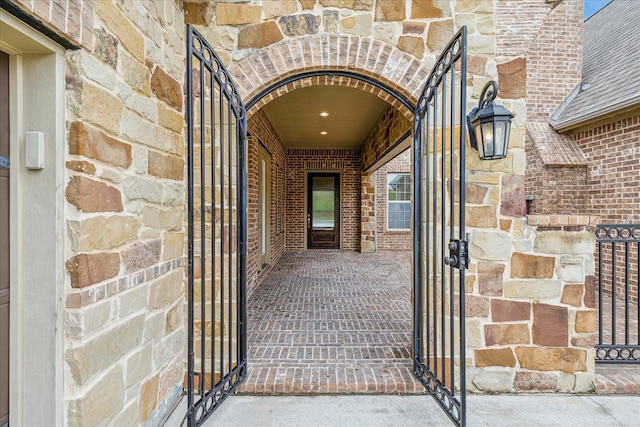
[(610, 68)]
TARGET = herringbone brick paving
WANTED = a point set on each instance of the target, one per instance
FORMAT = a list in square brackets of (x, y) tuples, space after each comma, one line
[(332, 322)]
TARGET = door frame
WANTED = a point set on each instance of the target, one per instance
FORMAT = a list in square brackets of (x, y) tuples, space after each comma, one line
[(338, 212), (264, 207), (5, 253), (37, 87)]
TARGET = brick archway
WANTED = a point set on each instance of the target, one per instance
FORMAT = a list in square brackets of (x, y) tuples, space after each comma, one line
[(374, 59), (330, 80)]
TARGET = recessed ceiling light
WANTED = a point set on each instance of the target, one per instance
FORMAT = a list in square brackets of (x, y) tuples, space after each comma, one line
[(324, 114), (324, 132)]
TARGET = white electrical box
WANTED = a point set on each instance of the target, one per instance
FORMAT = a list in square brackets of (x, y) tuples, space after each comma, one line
[(34, 150)]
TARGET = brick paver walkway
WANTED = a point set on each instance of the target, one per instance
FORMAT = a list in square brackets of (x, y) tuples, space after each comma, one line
[(332, 322), (340, 322)]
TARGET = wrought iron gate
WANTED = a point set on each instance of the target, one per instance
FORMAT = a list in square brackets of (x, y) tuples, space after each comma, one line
[(216, 121), (618, 268), (440, 242)]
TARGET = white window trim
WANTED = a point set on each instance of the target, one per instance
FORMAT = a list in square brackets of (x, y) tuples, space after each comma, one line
[(397, 229), (396, 201)]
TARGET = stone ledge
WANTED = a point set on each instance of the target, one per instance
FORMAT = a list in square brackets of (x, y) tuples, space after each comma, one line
[(563, 220), (86, 297)]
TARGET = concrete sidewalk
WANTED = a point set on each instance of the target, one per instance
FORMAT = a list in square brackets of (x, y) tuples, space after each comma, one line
[(381, 410)]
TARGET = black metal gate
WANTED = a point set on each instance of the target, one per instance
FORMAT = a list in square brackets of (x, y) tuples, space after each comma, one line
[(618, 310), (440, 242), (216, 121)]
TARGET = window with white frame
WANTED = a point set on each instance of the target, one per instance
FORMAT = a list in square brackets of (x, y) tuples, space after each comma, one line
[(398, 201)]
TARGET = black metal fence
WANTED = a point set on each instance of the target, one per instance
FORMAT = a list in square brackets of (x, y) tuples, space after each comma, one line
[(618, 264)]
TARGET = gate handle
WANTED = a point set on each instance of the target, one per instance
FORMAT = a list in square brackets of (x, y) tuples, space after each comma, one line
[(5, 163)]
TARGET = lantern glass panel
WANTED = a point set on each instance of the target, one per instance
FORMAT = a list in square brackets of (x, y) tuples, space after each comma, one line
[(500, 138), (488, 139), (480, 145)]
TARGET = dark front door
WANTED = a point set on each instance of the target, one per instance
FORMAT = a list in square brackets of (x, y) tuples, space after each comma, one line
[(4, 238), (323, 211)]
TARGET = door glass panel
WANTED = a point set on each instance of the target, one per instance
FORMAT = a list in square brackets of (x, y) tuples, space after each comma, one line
[(323, 202)]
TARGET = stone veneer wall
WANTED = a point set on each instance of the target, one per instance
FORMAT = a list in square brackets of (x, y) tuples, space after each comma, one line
[(391, 240), (123, 309), (266, 41), (261, 132), (72, 20), (529, 291), (368, 213), (299, 163), (125, 198), (531, 319), (378, 38)]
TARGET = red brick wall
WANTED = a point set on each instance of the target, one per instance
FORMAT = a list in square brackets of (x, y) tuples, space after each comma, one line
[(390, 240), (299, 162), (556, 190), (613, 179), (548, 36), (261, 132), (289, 170), (613, 152), (391, 126)]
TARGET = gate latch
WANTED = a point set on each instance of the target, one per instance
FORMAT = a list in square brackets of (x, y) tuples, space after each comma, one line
[(458, 254)]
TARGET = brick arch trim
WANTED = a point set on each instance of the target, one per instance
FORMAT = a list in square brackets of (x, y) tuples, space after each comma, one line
[(328, 79), (374, 59)]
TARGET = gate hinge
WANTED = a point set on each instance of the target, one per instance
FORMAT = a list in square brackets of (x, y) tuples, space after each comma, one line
[(458, 253)]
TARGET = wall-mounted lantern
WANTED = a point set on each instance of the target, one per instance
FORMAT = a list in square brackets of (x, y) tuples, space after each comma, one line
[(489, 125)]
